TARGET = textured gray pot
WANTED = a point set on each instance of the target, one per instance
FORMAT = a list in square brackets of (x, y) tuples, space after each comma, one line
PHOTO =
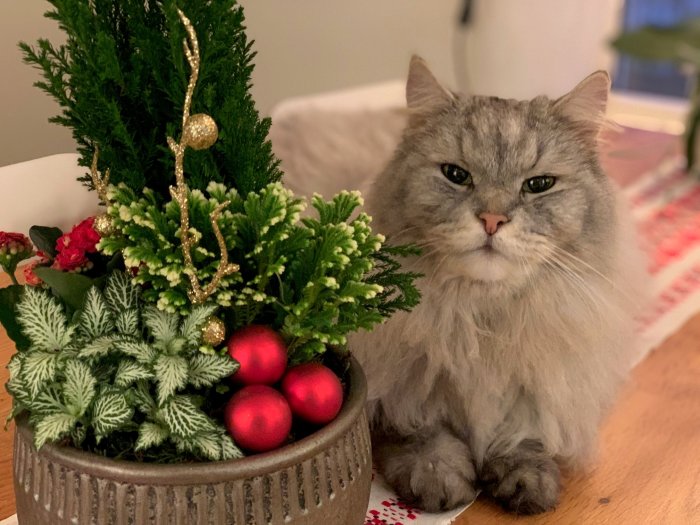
[(323, 479)]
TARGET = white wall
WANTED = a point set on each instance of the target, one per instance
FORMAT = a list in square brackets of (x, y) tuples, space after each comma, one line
[(516, 48), (24, 131), (307, 46)]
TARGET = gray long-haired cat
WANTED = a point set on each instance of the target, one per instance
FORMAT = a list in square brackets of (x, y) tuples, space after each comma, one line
[(500, 377)]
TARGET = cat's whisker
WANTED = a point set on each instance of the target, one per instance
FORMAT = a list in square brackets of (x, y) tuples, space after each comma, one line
[(397, 235), (425, 255), (587, 266), (437, 269), (579, 284)]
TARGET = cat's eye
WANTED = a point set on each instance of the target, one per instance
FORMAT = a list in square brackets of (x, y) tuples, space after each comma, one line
[(455, 174), (539, 184)]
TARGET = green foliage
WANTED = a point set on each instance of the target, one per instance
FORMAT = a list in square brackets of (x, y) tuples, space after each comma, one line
[(313, 279), (9, 297), (120, 81), (70, 287), (44, 238), (110, 371), (679, 43)]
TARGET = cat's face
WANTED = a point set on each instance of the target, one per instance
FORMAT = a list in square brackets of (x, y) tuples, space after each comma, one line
[(498, 190)]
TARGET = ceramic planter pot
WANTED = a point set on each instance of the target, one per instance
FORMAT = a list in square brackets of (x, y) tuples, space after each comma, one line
[(322, 479)]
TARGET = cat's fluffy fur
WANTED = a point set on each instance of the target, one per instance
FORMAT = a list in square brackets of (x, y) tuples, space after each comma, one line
[(503, 372)]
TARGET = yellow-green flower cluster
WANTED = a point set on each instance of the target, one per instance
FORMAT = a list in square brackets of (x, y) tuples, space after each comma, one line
[(314, 279)]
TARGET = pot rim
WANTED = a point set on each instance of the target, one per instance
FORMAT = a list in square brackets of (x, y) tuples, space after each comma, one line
[(214, 471)]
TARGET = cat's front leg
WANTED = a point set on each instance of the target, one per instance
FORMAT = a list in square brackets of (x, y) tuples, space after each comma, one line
[(523, 480), (434, 469)]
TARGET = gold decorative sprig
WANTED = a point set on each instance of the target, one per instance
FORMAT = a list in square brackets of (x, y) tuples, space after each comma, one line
[(199, 132), (99, 182)]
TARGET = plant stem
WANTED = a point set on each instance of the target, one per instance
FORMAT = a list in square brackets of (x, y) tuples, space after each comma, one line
[(692, 125)]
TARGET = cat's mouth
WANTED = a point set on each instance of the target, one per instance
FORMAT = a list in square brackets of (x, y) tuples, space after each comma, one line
[(487, 247)]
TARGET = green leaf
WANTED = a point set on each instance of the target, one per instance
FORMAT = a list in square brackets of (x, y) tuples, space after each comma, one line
[(171, 374), (191, 328), (53, 427), (44, 238), (679, 43), (49, 401), (15, 385), (163, 325), (78, 435), (43, 320), (71, 288), (79, 387), (140, 350), (129, 371), (142, 397), (101, 346), (208, 444), (111, 411), (9, 297), (96, 318), (121, 294), (151, 435), (338, 209), (38, 369), (184, 419), (208, 369), (17, 409), (229, 450), (127, 322)]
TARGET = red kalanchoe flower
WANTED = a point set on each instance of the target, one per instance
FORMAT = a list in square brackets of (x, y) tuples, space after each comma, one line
[(70, 259), (30, 277), (72, 248), (62, 242), (84, 236), (14, 248)]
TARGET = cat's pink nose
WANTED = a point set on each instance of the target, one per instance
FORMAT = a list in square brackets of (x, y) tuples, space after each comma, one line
[(492, 221)]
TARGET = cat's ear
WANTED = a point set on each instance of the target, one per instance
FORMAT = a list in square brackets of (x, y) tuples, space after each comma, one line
[(423, 91), (586, 103)]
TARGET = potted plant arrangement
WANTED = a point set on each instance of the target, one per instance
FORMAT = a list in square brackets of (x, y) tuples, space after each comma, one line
[(181, 357)]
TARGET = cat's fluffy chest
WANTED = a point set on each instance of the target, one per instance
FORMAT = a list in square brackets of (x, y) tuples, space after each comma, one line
[(472, 361)]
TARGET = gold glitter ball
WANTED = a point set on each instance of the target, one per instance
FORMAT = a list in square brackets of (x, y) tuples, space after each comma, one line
[(200, 131), (213, 331), (103, 225)]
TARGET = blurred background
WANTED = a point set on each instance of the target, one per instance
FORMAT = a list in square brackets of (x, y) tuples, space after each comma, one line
[(509, 48)]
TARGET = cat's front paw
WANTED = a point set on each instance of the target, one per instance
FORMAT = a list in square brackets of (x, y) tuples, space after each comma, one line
[(436, 474), (525, 481)]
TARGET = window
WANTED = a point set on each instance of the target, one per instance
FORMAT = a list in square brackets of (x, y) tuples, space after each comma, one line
[(660, 78)]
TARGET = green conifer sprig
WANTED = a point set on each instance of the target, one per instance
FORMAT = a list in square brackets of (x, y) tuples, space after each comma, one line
[(119, 81)]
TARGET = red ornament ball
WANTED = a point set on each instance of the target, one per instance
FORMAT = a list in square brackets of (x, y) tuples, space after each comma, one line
[(261, 353), (314, 393), (258, 418)]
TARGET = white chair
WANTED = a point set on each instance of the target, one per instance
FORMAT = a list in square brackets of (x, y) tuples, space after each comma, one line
[(44, 192), (338, 140)]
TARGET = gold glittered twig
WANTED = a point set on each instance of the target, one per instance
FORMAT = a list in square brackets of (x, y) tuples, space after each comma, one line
[(197, 294), (99, 182)]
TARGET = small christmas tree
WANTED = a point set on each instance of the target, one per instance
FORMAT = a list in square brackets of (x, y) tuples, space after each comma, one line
[(122, 353), (120, 77)]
